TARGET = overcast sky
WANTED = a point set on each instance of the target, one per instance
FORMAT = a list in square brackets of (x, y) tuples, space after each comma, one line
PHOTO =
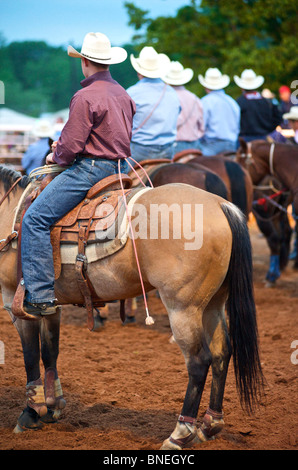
[(63, 22)]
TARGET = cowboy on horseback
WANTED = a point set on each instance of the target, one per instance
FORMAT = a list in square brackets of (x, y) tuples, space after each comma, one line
[(96, 136)]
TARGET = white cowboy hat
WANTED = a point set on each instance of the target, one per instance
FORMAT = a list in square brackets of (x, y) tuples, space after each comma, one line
[(177, 74), (43, 129), (97, 48), (292, 115), (214, 79), (150, 64), (249, 80)]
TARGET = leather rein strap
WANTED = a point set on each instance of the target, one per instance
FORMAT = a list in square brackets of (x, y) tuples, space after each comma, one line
[(10, 189)]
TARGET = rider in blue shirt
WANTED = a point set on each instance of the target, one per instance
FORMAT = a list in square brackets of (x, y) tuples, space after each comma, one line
[(157, 108), (221, 115)]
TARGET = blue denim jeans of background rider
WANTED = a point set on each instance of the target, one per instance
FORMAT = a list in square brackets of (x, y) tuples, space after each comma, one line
[(141, 152), (59, 197), (211, 147), (181, 145)]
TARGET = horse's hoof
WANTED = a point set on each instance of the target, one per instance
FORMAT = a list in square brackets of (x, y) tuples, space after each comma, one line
[(50, 418), (189, 441), (210, 427), (28, 420), (129, 320), (270, 284), (99, 323), (168, 445)]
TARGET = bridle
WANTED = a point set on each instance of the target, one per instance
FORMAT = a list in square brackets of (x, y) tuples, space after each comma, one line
[(249, 158), (10, 189), (6, 241)]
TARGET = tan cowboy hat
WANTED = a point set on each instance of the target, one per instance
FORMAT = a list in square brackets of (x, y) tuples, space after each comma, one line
[(177, 74), (150, 64), (292, 115), (249, 80), (43, 129), (97, 48), (214, 79)]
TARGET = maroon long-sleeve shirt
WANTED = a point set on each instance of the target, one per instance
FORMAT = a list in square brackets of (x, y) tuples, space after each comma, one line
[(100, 121)]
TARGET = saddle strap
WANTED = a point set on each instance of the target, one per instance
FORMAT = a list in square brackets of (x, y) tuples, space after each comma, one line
[(80, 269)]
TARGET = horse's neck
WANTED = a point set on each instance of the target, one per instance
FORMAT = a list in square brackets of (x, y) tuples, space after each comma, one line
[(9, 211), (281, 163)]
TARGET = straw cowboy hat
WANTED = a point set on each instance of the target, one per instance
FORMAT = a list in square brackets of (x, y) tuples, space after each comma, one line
[(249, 80), (292, 115), (150, 64), (177, 74), (97, 48), (214, 79), (43, 129)]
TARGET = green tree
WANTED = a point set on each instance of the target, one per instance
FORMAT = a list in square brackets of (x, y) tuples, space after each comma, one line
[(234, 35)]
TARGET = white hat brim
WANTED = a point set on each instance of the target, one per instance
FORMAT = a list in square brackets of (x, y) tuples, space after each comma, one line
[(149, 73), (223, 83), (259, 80), (291, 117), (185, 77), (118, 55)]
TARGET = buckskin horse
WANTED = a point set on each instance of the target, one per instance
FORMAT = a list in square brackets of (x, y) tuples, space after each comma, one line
[(195, 285), (263, 158)]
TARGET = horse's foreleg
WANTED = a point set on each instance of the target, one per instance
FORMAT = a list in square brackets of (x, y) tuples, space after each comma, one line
[(36, 407), (295, 214), (49, 334), (188, 335)]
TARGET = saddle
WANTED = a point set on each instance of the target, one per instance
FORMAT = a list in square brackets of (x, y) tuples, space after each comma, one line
[(79, 227)]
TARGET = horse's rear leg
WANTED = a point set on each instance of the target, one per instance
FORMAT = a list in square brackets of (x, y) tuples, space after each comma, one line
[(217, 337), (188, 333)]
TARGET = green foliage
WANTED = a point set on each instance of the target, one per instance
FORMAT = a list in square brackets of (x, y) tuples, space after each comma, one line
[(40, 78), (231, 35)]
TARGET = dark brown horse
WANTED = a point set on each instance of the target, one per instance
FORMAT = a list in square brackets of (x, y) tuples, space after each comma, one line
[(199, 177), (236, 178), (263, 158), (270, 211)]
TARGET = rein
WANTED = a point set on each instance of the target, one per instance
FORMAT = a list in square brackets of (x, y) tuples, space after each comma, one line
[(10, 189), (6, 241), (249, 160)]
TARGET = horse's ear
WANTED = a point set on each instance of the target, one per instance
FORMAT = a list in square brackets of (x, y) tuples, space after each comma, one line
[(243, 143)]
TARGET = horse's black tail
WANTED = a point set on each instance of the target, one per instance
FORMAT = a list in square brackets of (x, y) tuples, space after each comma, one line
[(242, 311), (237, 178)]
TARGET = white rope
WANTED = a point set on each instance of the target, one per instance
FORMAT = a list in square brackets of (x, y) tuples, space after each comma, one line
[(272, 147), (46, 170)]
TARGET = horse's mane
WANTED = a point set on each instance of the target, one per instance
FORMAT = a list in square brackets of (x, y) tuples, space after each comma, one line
[(9, 176)]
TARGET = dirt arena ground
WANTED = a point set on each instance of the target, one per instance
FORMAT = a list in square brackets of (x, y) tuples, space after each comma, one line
[(124, 386)]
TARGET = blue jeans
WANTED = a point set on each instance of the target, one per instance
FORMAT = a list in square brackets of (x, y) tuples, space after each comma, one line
[(185, 145), (60, 196), (249, 138), (141, 152), (211, 147)]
